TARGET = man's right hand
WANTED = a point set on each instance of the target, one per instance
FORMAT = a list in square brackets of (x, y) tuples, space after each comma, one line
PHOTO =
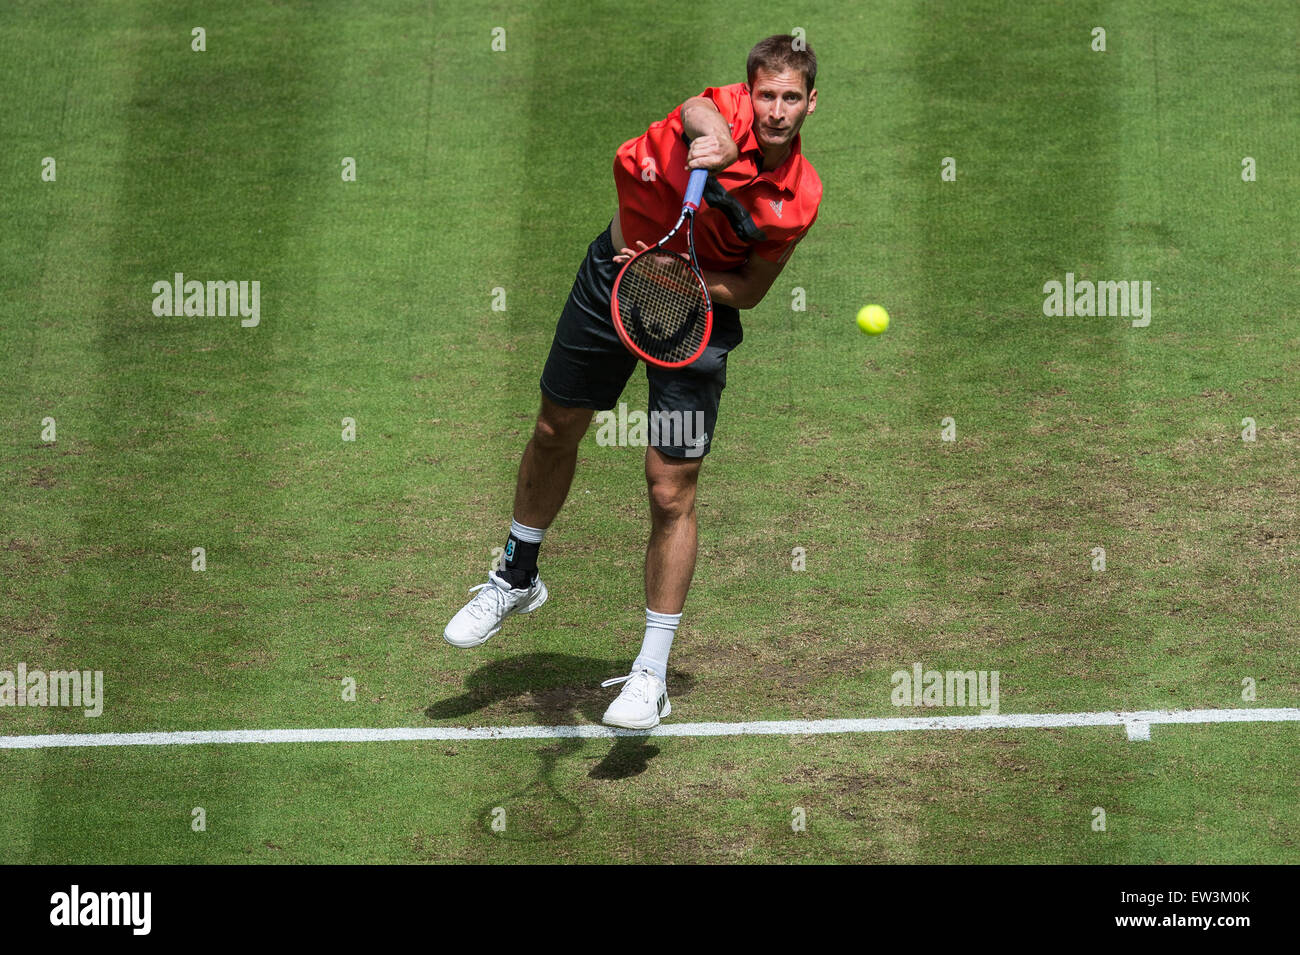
[(712, 153), (711, 144)]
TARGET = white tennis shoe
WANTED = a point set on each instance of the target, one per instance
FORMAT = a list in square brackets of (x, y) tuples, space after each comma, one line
[(643, 702), (480, 619)]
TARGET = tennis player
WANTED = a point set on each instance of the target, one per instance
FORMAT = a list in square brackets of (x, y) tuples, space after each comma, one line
[(761, 200)]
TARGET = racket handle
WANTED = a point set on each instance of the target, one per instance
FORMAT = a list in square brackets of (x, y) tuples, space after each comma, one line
[(695, 189)]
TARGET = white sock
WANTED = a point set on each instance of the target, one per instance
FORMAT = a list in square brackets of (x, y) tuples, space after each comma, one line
[(660, 628), (532, 535)]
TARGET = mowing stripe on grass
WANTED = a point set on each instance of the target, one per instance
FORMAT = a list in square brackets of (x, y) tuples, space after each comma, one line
[(1137, 724)]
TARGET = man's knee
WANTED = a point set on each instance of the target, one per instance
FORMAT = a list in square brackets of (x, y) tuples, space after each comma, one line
[(671, 482), (560, 428)]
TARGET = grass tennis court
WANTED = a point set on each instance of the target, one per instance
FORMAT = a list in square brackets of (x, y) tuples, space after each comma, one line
[(481, 170)]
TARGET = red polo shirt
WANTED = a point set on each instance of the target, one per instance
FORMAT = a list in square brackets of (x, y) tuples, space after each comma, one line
[(783, 201)]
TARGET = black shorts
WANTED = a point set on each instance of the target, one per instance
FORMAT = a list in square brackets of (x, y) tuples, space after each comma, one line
[(589, 366)]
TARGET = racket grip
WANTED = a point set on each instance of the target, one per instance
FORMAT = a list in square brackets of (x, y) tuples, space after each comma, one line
[(695, 189)]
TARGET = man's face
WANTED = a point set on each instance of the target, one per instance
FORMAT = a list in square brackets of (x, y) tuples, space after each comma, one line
[(780, 106)]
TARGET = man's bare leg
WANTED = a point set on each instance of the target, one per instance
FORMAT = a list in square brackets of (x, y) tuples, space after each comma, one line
[(670, 555), (545, 473), (669, 566), (550, 458)]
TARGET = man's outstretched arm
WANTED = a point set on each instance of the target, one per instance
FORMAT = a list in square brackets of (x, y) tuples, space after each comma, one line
[(744, 287), (713, 148), (740, 288)]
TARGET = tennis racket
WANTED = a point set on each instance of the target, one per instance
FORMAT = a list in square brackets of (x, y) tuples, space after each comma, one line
[(661, 307)]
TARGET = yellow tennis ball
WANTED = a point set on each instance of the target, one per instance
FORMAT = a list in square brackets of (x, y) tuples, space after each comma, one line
[(873, 319)]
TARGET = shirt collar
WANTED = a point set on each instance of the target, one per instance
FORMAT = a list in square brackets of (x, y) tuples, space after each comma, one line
[(788, 174)]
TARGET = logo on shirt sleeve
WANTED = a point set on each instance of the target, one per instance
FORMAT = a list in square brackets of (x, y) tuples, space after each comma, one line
[(776, 206)]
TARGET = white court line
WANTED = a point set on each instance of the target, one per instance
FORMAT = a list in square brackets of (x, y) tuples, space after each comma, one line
[(1137, 725)]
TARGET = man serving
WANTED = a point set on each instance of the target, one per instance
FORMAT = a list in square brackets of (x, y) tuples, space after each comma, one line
[(761, 201)]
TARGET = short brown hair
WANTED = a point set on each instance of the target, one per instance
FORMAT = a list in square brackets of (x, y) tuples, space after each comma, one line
[(783, 52)]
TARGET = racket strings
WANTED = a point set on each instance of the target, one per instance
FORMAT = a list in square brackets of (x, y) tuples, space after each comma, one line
[(663, 306)]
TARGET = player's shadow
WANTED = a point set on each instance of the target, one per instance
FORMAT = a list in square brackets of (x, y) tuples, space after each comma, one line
[(557, 689)]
